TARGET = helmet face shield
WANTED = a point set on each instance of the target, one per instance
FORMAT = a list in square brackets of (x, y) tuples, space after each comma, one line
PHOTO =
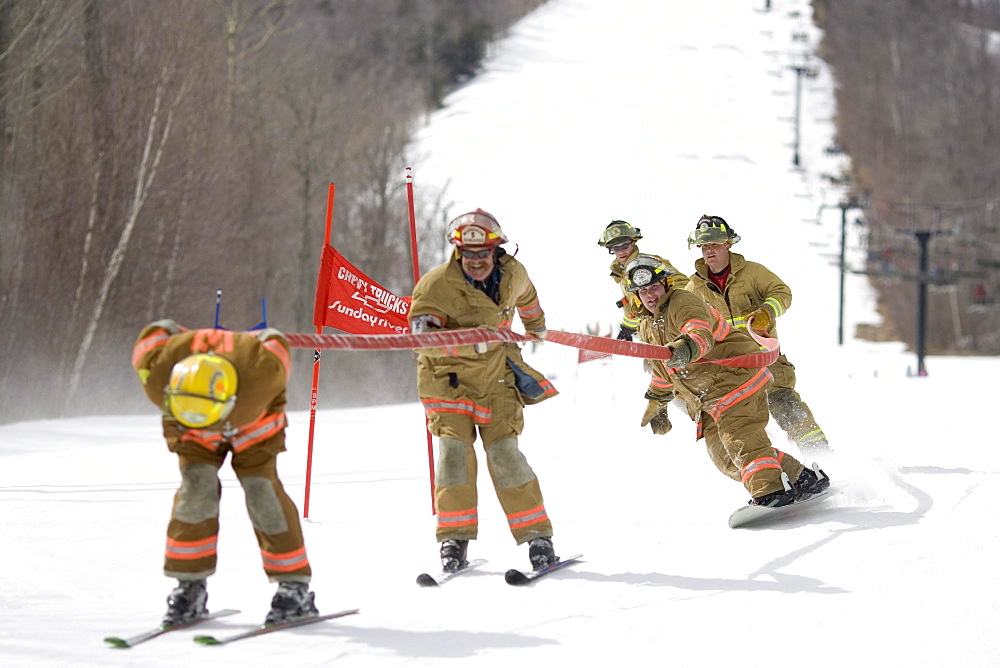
[(201, 391)]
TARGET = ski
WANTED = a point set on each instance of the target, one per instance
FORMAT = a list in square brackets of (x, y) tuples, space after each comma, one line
[(428, 580), (115, 641), (520, 578), (270, 628), (748, 514)]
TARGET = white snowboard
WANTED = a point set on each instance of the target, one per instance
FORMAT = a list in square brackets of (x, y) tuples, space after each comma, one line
[(762, 514)]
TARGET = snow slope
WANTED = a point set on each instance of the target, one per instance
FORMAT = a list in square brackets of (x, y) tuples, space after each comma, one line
[(655, 112)]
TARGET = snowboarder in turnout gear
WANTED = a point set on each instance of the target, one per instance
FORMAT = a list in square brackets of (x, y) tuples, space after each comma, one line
[(620, 238), (747, 294), (480, 387), (223, 393), (727, 403)]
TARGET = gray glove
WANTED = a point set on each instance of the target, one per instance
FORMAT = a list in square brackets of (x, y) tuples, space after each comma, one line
[(683, 350)]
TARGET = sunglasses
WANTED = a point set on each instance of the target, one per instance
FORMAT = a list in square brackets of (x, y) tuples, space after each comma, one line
[(480, 254), (619, 247)]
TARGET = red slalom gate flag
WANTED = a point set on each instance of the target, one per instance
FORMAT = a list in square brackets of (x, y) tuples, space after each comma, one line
[(348, 300)]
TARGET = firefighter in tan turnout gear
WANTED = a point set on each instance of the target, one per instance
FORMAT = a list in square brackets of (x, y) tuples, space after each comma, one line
[(728, 403), (747, 294), (620, 238), (480, 387), (223, 393)]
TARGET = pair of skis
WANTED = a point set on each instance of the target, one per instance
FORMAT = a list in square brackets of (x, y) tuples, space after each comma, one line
[(511, 577), (132, 641)]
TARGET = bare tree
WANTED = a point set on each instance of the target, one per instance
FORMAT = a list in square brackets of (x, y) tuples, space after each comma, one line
[(248, 27), (156, 139)]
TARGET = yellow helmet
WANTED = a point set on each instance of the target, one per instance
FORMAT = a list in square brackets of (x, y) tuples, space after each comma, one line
[(202, 390), (618, 231), (476, 228), (712, 230)]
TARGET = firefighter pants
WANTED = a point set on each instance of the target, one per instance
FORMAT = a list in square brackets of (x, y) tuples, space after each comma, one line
[(514, 481), (739, 447), (193, 531), (789, 411)]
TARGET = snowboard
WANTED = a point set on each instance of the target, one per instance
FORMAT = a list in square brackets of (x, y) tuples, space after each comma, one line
[(760, 515)]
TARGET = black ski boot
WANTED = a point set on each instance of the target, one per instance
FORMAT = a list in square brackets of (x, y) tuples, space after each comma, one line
[(810, 482), (292, 601), (777, 499), (453, 555), (541, 553), (186, 602)]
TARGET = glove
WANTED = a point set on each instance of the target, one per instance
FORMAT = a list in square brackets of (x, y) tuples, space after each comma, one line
[(760, 319), (169, 325), (625, 333), (539, 334), (682, 353), (656, 417), (422, 323)]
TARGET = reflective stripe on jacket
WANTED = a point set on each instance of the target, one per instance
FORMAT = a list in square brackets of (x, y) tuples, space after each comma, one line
[(711, 388)]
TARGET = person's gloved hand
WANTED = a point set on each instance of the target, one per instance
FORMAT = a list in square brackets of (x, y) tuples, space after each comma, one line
[(656, 417), (422, 323), (539, 334), (625, 333), (760, 319), (682, 352)]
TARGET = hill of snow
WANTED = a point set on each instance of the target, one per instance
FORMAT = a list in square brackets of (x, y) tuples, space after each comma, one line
[(655, 113)]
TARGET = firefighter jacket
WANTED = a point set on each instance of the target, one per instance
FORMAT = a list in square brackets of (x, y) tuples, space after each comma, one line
[(704, 387), (750, 286), (629, 302), (262, 362), (460, 379)]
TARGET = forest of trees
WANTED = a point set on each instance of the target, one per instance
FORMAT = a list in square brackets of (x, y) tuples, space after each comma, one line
[(918, 113), (153, 152)]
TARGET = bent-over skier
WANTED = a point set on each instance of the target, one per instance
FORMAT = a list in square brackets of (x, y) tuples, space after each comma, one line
[(223, 393)]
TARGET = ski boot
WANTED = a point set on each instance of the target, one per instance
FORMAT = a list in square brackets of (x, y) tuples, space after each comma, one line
[(453, 555), (780, 498), (541, 553), (293, 600), (186, 602), (810, 482)]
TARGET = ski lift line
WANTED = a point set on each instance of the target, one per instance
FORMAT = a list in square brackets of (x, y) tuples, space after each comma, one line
[(457, 337), (979, 202)]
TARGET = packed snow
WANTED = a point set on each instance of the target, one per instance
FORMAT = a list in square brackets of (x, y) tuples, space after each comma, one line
[(651, 112)]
